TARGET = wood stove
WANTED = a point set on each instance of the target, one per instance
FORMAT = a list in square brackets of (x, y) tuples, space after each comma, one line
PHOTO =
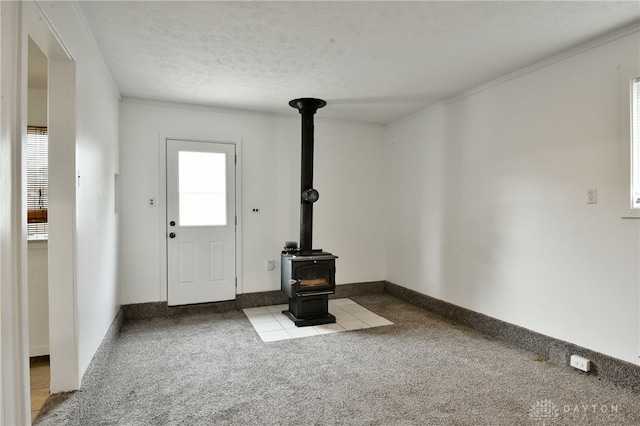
[(308, 281), (307, 274)]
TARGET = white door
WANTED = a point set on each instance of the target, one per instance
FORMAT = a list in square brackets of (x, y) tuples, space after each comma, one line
[(201, 222)]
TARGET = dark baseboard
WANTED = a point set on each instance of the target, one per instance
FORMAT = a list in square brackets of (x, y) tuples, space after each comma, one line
[(358, 289), (100, 361), (619, 372), (247, 300)]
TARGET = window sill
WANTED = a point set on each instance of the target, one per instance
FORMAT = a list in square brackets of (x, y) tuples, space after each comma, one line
[(43, 239)]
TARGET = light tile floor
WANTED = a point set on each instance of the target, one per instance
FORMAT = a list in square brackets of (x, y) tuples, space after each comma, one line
[(272, 325), (40, 376)]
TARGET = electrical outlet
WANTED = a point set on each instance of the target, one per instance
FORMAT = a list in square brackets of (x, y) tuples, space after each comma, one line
[(580, 363), (592, 196), (269, 265)]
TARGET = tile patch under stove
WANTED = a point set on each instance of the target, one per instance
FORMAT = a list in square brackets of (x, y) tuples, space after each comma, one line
[(272, 325)]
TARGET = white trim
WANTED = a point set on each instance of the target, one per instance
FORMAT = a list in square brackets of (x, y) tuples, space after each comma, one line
[(39, 350), (94, 44), (54, 47), (634, 102), (197, 107), (63, 331), (63, 306), (229, 110), (162, 199), (14, 373), (623, 32), (625, 76)]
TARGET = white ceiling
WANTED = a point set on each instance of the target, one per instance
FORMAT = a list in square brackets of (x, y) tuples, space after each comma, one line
[(371, 61)]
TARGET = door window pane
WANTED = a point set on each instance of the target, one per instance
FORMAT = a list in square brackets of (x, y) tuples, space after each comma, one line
[(202, 189)]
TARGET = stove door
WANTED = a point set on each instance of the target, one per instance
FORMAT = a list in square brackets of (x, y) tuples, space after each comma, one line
[(314, 276)]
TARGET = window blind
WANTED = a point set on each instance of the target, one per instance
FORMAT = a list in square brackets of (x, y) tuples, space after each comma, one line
[(37, 182), (635, 143)]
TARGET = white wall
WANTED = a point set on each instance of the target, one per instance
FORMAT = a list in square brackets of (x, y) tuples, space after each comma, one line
[(347, 219), (38, 277), (37, 107), (487, 202), (96, 105)]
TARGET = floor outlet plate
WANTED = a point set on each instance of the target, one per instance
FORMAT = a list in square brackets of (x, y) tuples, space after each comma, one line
[(580, 363)]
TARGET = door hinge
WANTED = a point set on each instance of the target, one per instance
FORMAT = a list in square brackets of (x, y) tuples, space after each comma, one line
[(236, 283), (235, 159), (236, 220)]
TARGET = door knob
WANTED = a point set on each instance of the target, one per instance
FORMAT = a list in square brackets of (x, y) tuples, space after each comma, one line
[(172, 235), (172, 223)]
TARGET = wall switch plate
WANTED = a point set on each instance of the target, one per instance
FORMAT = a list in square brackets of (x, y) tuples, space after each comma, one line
[(580, 363), (269, 265), (592, 196)]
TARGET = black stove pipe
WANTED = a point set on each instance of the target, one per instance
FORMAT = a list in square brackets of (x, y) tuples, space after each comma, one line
[(307, 108)]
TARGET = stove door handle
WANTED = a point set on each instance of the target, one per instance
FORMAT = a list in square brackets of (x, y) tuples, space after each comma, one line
[(293, 282), (314, 293)]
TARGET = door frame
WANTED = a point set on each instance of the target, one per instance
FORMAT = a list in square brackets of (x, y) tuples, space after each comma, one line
[(161, 201), (62, 271), (18, 22)]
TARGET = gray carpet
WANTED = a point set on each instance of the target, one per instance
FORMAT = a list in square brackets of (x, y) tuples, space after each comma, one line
[(423, 370)]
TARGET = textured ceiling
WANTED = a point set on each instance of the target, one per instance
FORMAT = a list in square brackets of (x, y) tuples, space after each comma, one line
[(371, 61)]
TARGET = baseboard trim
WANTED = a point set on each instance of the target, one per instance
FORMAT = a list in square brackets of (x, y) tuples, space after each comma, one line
[(100, 361), (619, 372), (35, 351), (247, 300)]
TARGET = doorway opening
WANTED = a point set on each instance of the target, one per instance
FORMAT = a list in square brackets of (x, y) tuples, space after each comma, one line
[(60, 121), (37, 226)]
